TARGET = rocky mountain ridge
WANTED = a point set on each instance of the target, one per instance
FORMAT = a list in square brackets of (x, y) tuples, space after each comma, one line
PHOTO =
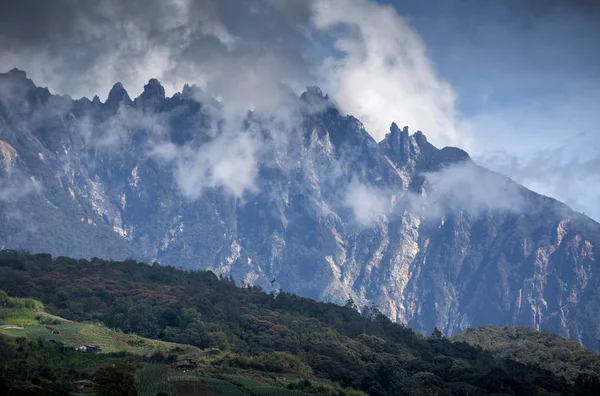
[(306, 201)]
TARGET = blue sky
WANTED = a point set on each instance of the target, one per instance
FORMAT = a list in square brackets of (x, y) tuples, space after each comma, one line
[(527, 76)]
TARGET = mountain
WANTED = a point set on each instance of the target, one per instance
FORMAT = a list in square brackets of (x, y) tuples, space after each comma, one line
[(301, 199), (296, 345)]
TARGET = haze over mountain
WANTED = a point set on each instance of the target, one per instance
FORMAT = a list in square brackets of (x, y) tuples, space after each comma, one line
[(301, 199)]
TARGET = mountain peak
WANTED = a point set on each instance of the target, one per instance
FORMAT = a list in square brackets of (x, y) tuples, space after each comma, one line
[(394, 130), (18, 77), (314, 97), (18, 88), (17, 73), (396, 144), (448, 156), (118, 95), (315, 91), (153, 94), (154, 89), (188, 90)]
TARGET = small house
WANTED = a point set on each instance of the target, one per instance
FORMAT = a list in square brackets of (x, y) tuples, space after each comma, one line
[(185, 364), (79, 386), (89, 349)]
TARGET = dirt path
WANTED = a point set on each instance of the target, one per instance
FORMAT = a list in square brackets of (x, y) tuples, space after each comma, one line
[(13, 327)]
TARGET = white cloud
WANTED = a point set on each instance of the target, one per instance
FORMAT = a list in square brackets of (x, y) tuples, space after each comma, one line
[(549, 146), (115, 133), (384, 73), (84, 49), (229, 161), (368, 203), (469, 187), (554, 173)]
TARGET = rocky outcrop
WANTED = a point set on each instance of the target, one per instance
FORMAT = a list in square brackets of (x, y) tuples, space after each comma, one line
[(430, 237), (8, 156)]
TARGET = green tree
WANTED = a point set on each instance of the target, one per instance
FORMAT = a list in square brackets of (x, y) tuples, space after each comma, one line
[(115, 380), (4, 299), (587, 384), (7, 351), (351, 304)]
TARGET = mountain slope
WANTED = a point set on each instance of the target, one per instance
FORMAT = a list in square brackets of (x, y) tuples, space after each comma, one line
[(305, 201)]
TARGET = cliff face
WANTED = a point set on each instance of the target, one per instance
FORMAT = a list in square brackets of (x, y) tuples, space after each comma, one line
[(320, 209)]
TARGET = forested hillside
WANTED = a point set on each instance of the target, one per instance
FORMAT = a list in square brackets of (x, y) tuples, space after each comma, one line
[(561, 356), (363, 351)]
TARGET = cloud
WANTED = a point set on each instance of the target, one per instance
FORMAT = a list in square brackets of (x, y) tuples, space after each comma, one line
[(466, 186), (15, 187), (369, 58), (549, 146), (82, 48), (555, 173), (229, 161), (368, 203), (115, 132), (383, 73)]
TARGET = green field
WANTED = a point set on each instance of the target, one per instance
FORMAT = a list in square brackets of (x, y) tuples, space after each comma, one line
[(30, 321), (155, 378), (257, 388)]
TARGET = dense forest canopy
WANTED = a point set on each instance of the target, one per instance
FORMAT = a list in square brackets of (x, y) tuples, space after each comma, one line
[(526, 345), (364, 351)]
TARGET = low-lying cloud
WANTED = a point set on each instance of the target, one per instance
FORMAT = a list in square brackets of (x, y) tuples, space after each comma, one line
[(230, 162), (554, 173), (466, 186), (460, 187), (368, 203)]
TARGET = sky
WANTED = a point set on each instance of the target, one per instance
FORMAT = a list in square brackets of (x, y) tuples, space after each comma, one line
[(515, 82)]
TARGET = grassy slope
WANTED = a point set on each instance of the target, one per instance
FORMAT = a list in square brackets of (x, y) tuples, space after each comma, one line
[(155, 378), (25, 322)]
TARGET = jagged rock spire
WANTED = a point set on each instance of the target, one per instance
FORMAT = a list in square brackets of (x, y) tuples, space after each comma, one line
[(153, 89), (315, 98), (396, 144), (153, 94), (117, 96)]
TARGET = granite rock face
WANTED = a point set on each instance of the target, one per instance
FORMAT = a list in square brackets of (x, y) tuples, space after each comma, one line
[(315, 207)]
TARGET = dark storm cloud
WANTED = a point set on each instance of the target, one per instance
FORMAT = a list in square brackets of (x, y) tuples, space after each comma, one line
[(515, 76), (80, 47)]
